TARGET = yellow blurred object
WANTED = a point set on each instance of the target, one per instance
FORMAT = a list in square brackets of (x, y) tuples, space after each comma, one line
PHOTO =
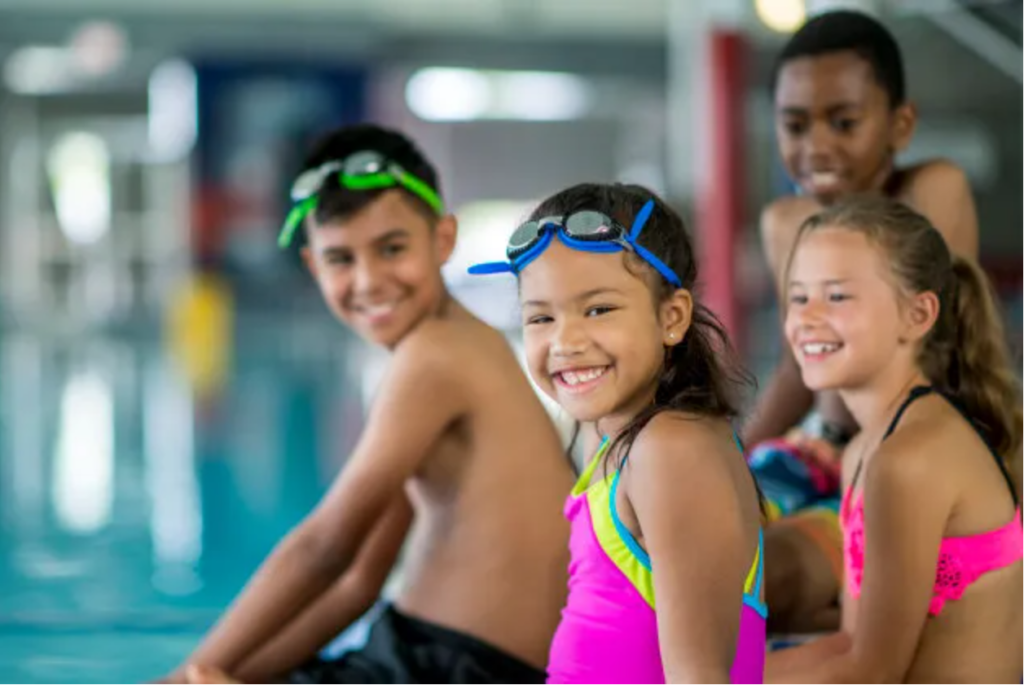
[(783, 16), (199, 327)]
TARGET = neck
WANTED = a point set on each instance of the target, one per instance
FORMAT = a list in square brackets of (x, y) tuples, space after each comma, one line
[(613, 424), (881, 178), (873, 404)]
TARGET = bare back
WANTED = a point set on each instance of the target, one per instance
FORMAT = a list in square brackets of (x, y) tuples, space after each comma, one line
[(488, 554)]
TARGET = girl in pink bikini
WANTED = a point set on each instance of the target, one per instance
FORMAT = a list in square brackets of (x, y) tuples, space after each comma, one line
[(666, 555), (911, 338)]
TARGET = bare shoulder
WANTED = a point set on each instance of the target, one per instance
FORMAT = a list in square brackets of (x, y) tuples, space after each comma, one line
[(935, 178), (941, 191), (449, 343), (922, 453), (683, 443), (780, 222), (784, 215)]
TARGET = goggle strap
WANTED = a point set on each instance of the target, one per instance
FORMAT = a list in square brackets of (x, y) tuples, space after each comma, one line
[(424, 191), (658, 265), (367, 182), (490, 268), (295, 218), (641, 219)]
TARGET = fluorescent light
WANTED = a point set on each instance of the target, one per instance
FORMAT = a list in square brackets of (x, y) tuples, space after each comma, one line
[(173, 110), (99, 48), (176, 517), (39, 70), (79, 171), (450, 94), (784, 16), (83, 475), (541, 96)]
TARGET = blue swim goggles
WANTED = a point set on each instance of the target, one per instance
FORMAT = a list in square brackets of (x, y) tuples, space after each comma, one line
[(584, 230)]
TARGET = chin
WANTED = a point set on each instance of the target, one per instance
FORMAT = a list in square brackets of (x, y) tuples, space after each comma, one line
[(817, 382), (584, 412)]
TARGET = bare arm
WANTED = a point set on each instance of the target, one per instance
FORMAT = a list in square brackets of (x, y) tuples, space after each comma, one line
[(350, 597), (323, 547), (906, 509), (699, 562), (783, 404), (785, 400), (943, 194)]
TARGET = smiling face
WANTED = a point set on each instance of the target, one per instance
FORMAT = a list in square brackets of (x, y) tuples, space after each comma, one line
[(844, 319), (836, 129), (379, 270), (595, 340)]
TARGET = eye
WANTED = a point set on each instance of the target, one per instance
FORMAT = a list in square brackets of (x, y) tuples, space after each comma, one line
[(392, 249), (538, 319), (798, 298), (600, 310), (794, 127), (340, 259), (838, 297), (845, 124)]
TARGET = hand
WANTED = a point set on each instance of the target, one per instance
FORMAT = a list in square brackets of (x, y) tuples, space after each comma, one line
[(200, 675), (821, 451)]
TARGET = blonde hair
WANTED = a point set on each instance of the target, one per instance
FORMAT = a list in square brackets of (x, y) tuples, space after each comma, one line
[(965, 355)]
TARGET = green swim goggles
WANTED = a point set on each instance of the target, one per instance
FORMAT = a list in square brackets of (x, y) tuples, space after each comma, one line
[(365, 170)]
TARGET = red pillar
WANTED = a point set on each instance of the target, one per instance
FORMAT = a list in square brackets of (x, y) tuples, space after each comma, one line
[(720, 206)]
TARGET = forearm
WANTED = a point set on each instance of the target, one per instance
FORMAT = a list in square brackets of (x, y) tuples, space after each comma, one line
[(785, 401), (304, 637), (294, 575)]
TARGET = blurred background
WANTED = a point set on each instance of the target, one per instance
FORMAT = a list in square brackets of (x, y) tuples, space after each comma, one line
[(173, 394)]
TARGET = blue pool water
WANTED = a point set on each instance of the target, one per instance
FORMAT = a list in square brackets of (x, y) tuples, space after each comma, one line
[(131, 511)]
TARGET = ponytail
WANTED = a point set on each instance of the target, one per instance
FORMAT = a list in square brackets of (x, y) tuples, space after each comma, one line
[(978, 372), (965, 355)]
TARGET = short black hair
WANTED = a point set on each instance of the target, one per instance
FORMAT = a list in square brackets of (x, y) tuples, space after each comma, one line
[(843, 30), (337, 202)]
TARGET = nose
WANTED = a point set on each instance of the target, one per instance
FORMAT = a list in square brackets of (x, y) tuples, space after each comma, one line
[(570, 338), (367, 277), (808, 315), (820, 145)]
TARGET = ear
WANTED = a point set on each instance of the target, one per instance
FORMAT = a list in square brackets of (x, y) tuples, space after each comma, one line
[(309, 261), (903, 125), (676, 315), (920, 315), (445, 232)]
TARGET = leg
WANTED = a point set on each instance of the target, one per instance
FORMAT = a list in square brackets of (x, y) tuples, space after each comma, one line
[(803, 572)]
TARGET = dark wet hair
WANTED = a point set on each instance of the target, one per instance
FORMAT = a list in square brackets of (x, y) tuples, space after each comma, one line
[(847, 30), (338, 203), (702, 375)]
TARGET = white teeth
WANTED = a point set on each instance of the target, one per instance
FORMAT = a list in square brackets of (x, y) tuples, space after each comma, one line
[(819, 348), (824, 177), (379, 309), (583, 376)]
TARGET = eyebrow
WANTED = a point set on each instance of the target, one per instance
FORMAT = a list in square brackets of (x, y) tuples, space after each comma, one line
[(393, 234), (830, 281), (578, 298), (790, 110)]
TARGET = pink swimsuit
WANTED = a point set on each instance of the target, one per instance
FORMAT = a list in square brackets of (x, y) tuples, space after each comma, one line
[(609, 628), (962, 560)]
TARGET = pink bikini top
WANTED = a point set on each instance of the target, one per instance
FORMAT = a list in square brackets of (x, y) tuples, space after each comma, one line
[(962, 560)]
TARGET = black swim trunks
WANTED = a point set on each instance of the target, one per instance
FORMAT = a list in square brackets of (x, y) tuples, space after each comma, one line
[(403, 649)]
